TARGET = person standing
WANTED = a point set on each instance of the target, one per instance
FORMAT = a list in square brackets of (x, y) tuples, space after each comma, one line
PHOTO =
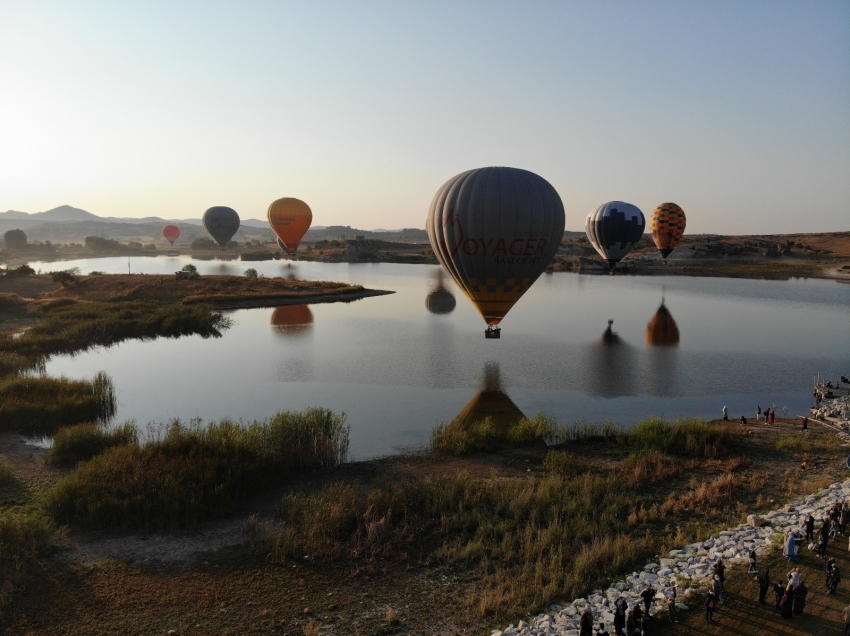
[(805, 428), (834, 579), (725, 414), (764, 583), (786, 605), (778, 591), (586, 623), (631, 625), (810, 528), (753, 569), (710, 605), (844, 518), (799, 603), (772, 417), (766, 416), (620, 609), (758, 413), (829, 565), (647, 595), (790, 546), (671, 604), (602, 631)]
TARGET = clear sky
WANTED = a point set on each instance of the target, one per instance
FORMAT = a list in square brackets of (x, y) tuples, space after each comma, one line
[(738, 111)]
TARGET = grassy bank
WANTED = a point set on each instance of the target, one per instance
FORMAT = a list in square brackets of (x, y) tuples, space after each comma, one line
[(191, 474), (40, 405), (571, 526)]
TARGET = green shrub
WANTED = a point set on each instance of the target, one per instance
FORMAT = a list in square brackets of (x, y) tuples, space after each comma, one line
[(190, 474), (20, 271), (39, 405), (803, 444), (689, 437), (82, 442), (460, 438)]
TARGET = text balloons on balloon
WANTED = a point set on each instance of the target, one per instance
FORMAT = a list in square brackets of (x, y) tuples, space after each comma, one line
[(613, 229), (221, 223), (171, 233), (494, 230), (290, 219)]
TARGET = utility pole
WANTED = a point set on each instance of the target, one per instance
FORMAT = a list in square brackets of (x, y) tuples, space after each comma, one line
[(128, 264)]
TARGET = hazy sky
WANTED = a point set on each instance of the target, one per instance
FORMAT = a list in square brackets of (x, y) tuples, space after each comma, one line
[(737, 111)]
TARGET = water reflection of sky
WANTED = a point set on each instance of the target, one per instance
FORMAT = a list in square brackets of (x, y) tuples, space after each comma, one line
[(397, 369)]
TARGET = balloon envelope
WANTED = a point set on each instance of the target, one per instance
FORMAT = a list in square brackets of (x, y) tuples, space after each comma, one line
[(495, 230), (662, 330), (171, 233), (613, 229), (290, 219), (221, 223), (667, 224)]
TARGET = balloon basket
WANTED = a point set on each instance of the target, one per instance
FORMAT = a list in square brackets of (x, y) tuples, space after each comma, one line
[(492, 332)]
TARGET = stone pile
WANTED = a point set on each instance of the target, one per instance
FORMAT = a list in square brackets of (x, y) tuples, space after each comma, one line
[(838, 408), (693, 563)]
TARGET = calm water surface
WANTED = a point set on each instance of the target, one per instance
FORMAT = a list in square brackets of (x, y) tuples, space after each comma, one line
[(397, 370)]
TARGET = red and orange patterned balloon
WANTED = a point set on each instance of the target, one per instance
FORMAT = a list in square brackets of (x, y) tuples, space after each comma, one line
[(667, 225)]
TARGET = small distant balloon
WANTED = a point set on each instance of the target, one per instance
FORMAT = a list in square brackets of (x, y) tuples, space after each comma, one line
[(221, 223), (171, 233), (667, 224), (613, 229), (494, 231), (289, 219)]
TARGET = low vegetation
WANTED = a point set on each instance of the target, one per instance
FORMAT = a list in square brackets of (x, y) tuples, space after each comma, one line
[(24, 539), (40, 405), (459, 438), (192, 473), (556, 534), (802, 444), (79, 443)]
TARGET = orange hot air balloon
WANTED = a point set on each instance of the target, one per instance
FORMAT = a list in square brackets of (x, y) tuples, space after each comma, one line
[(291, 320), (171, 233), (290, 219), (662, 330), (667, 225)]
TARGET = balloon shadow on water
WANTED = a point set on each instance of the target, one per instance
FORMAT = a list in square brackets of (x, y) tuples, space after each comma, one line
[(291, 321), (440, 301), (610, 366), (662, 336)]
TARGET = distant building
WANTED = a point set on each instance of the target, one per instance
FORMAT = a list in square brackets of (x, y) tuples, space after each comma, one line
[(352, 237)]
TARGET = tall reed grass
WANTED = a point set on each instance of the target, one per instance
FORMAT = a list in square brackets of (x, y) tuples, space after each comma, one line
[(24, 538), (687, 437), (40, 405), (193, 473), (79, 443), (460, 438)]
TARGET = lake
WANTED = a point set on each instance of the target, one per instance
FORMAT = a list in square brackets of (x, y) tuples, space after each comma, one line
[(397, 369)]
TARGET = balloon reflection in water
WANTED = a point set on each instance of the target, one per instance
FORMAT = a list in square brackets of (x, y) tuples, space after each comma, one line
[(491, 401), (611, 362), (662, 330), (662, 335), (440, 301), (292, 320)]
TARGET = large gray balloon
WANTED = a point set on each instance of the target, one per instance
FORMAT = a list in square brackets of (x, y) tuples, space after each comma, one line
[(494, 230), (221, 222)]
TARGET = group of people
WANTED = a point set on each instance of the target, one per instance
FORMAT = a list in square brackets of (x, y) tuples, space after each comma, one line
[(630, 620), (791, 596), (714, 597), (769, 416)]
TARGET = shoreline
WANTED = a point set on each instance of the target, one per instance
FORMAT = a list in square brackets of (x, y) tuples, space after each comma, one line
[(258, 303)]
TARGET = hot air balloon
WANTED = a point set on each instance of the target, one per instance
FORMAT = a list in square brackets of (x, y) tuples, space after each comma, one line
[(171, 233), (292, 320), (289, 219), (662, 330), (494, 230), (614, 229), (221, 222), (667, 225)]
